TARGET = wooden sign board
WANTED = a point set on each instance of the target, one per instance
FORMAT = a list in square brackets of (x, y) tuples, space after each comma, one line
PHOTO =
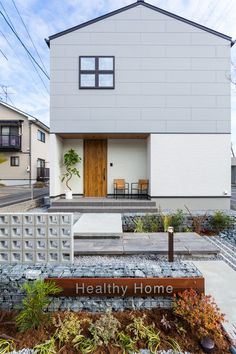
[(125, 287)]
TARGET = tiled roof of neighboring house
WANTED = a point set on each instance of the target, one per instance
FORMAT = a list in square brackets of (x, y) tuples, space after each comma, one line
[(28, 116), (138, 3)]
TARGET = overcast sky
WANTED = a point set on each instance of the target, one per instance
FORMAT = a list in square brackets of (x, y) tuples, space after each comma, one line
[(46, 17)]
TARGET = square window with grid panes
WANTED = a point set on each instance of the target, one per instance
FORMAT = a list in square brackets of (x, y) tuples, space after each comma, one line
[(97, 72)]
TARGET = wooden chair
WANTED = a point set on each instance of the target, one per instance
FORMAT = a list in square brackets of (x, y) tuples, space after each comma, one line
[(140, 188), (120, 187)]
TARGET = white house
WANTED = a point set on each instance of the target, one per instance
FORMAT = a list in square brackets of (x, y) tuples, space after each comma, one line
[(141, 93), (24, 143)]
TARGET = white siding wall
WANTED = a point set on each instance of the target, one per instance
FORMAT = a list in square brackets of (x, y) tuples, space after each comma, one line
[(56, 151), (129, 158), (170, 77), (190, 165)]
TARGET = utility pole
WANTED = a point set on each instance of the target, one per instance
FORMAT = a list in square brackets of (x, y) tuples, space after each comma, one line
[(6, 93)]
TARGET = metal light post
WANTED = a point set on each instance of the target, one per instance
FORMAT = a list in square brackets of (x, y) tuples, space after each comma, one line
[(170, 244)]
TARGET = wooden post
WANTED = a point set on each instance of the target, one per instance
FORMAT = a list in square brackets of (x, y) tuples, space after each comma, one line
[(170, 244)]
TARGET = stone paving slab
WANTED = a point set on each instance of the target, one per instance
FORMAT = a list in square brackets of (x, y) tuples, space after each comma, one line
[(134, 243)]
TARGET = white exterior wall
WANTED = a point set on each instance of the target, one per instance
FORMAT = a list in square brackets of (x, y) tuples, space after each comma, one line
[(190, 165), (169, 77), (129, 159), (40, 150), (56, 159), (18, 175)]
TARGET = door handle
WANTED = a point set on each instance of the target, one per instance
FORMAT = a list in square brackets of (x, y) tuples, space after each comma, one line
[(104, 174)]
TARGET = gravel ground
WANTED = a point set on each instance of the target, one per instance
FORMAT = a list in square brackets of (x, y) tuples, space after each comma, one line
[(149, 259), (142, 351)]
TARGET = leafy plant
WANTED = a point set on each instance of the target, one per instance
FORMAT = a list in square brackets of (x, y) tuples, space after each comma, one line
[(200, 312), (67, 328), (71, 159), (138, 328), (220, 221), (35, 303), (198, 221), (177, 220), (165, 322), (151, 223), (6, 346), (138, 225), (166, 221), (153, 339), (47, 347), (145, 332), (126, 343), (173, 344), (105, 329), (85, 345)]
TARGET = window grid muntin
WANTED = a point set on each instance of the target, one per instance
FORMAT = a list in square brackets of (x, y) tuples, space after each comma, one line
[(96, 72)]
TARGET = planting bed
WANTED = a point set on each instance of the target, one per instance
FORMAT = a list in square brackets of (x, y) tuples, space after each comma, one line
[(177, 330)]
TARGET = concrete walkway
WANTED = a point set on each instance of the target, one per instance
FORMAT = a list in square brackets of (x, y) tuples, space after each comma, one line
[(99, 223), (220, 282)]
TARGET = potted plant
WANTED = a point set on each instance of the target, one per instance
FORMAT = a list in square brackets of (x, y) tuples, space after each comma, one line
[(71, 159)]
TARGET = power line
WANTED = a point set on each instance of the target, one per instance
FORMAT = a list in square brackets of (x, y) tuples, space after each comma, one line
[(19, 58), (29, 35), (6, 14), (3, 54), (17, 36)]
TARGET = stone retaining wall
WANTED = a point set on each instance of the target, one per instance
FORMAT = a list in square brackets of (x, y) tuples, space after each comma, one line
[(13, 276)]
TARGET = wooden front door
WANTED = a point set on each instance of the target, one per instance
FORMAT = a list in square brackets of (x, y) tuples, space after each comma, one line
[(95, 168)]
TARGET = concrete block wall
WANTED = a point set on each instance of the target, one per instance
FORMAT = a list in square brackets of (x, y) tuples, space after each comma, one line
[(36, 238)]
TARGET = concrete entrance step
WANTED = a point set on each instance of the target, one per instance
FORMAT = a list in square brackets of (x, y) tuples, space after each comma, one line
[(102, 209), (97, 202), (96, 236), (98, 224)]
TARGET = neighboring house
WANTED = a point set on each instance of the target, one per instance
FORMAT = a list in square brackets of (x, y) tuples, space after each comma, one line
[(24, 141), (141, 93)]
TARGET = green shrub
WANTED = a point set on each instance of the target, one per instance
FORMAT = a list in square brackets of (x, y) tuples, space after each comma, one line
[(177, 220), (47, 347), (220, 221), (151, 223), (139, 227), (35, 303), (166, 221), (126, 343), (84, 345), (105, 329), (67, 328), (145, 332), (6, 346)]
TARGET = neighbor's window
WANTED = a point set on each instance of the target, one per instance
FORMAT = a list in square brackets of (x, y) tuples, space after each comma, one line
[(15, 161), (40, 163), (41, 136), (96, 72)]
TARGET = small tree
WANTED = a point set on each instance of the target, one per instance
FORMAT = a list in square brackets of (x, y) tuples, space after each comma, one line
[(71, 159)]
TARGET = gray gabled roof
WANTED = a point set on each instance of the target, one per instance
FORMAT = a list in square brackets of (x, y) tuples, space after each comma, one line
[(28, 116), (138, 3)]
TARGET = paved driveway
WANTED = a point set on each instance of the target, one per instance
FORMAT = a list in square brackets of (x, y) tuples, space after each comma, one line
[(16, 194)]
